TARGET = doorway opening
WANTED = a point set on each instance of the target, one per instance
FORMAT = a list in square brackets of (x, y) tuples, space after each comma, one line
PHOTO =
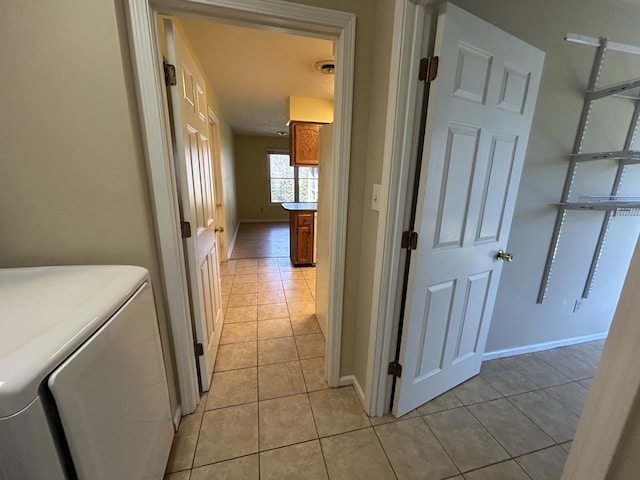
[(291, 18)]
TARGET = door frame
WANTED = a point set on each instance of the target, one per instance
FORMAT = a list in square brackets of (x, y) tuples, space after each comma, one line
[(154, 124), (409, 28)]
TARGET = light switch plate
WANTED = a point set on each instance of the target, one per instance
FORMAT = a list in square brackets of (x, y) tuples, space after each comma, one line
[(375, 199)]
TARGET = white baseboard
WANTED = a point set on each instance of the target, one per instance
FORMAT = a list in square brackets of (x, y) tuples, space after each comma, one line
[(177, 416), (537, 347), (231, 242), (352, 380), (264, 220)]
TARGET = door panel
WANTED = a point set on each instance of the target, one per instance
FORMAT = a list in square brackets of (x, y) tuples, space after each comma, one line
[(197, 197), (480, 110)]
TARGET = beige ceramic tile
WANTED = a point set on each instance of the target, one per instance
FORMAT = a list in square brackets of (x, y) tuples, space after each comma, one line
[(572, 367), (239, 332), (267, 267), (236, 355), (285, 421), (280, 380), (567, 446), (586, 383), (356, 456), (298, 296), (508, 470), (550, 415), (515, 432), (274, 310), (276, 350), (218, 442), (271, 286), (247, 262), (274, 296), (243, 289), (271, 278), (445, 401), (571, 395), (337, 410), (225, 301), (226, 289), (249, 278), (268, 261), (228, 268), (310, 346), (584, 352), (506, 380), (247, 270), (184, 475), (184, 443), (389, 418), (299, 285), (278, 327), (291, 275), (234, 387), (313, 371), (305, 325), (414, 452), (224, 281), (465, 439), (475, 390), (243, 300), (299, 309), (537, 370), (301, 461), (309, 273), (241, 314), (545, 464), (244, 468)]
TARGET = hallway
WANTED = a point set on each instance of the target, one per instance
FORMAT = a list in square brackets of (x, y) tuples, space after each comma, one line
[(270, 415)]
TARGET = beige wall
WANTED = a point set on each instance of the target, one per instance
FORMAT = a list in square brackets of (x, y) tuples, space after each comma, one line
[(252, 185), (73, 187)]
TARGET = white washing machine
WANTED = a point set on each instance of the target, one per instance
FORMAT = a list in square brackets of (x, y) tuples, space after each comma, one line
[(83, 389)]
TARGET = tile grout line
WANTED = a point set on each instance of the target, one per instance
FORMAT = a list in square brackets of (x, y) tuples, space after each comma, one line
[(424, 420)]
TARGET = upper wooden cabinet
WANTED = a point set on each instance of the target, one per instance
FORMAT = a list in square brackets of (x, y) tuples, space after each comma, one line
[(304, 142)]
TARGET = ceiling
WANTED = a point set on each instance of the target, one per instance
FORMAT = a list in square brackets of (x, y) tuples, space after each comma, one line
[(253, 72)]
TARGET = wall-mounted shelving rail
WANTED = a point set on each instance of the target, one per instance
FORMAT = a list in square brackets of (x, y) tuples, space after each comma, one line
[(613, 205)]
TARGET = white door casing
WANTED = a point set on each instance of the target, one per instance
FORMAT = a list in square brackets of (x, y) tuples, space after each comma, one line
[(194, 174), (478, 121), (153, 118)]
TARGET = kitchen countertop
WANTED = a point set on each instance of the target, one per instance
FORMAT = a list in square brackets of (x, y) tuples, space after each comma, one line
[(300, 207)]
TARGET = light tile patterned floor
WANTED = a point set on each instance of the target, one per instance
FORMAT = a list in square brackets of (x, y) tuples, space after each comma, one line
[(270, 415)]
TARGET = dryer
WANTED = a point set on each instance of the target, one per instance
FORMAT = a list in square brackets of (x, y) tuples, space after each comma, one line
[(83, 389)]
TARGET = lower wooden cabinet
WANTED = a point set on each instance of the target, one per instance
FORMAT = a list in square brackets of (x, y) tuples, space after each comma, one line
[(301, 237)]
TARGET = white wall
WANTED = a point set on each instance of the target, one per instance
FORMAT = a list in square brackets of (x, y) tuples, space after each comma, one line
[(518, 320)]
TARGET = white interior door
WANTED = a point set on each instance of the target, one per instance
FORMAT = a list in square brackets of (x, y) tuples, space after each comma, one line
[(196, 197), (478, 121)]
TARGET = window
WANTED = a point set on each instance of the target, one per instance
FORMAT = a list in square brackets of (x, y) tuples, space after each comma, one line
[(291, 184)]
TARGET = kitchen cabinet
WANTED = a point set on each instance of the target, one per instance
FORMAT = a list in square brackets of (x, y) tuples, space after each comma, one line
[(304, 142), (301, 232)]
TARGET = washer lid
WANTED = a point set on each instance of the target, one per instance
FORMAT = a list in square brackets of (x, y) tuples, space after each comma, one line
[(48, 312)]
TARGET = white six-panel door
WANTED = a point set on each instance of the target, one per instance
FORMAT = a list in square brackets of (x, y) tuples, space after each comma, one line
[(478, 121), (194, 172)]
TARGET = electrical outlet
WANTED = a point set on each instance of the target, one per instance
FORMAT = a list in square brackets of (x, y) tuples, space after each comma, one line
[(577, 305), (375, 198)]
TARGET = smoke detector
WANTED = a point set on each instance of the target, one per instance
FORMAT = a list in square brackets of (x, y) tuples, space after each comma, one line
[(328, 67)]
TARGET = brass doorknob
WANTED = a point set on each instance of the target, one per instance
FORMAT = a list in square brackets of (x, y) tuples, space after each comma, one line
[(504, 256), (219, 229)]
